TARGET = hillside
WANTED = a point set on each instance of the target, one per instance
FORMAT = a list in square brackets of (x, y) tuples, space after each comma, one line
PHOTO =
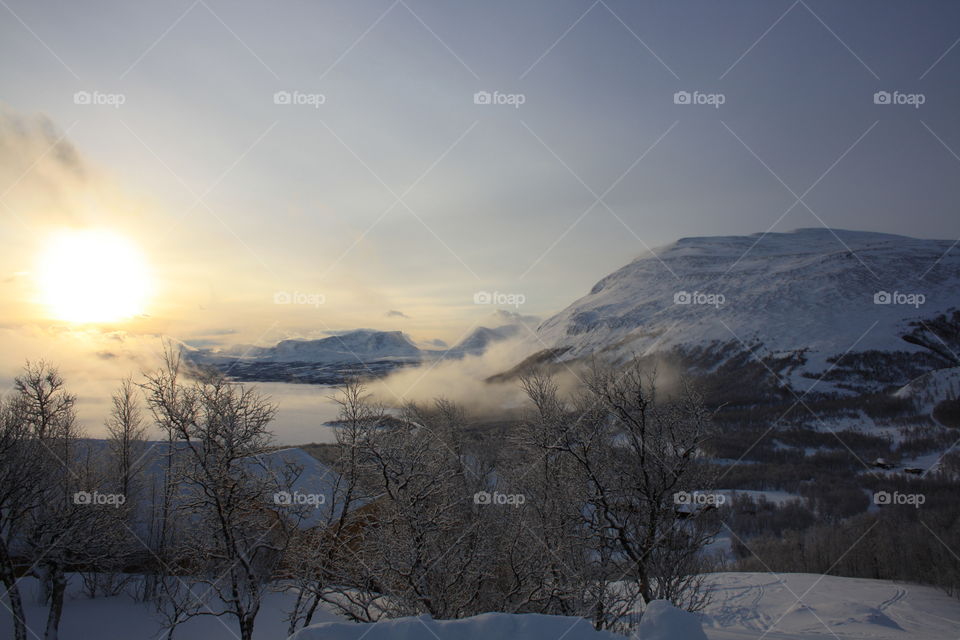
[(809, 296)]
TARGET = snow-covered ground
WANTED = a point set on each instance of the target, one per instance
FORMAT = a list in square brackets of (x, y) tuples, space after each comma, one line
[(121, 618), (931, 388), (745, 606), (483, 627), (804, 606)]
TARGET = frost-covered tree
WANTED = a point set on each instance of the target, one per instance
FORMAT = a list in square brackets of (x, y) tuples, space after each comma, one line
[(20, 491), (60, 529), (232, 536), (127, 436), (622, 453), (323, 560), (428, 550)]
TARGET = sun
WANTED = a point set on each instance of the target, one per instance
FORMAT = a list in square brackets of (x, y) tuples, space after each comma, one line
[(93, 276)]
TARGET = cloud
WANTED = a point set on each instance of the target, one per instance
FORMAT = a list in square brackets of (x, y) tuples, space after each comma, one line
[(513, 317), (42, 172), (460, 380), (396, 314), (203, 343), (220, 332), (92, 363)]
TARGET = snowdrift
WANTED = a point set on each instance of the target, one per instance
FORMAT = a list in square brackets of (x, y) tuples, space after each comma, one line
[(663, 621), (530, 626)]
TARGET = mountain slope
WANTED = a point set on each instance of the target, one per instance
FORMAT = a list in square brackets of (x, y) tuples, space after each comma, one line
[(816, 293), (362, 345), (481, 338)]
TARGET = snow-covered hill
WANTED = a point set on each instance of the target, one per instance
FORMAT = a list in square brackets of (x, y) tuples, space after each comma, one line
[(932, 388), (355, 346), (358, 346), (481, 338), (818, 292), (307, 476)]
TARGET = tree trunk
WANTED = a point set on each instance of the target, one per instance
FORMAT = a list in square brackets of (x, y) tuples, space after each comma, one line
[(58, 585), (246, 627), (292, 627), (9, 579), (312, 610)]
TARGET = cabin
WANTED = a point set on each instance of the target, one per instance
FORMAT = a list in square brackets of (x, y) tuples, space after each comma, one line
[(882, 463)]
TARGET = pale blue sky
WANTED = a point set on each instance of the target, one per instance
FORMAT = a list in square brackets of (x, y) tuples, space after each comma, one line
[(497, 195)]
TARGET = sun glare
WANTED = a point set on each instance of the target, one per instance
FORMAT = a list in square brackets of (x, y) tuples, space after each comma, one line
[(93, 276)]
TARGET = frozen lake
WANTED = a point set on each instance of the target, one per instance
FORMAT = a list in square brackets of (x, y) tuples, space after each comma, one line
[(303, 410)]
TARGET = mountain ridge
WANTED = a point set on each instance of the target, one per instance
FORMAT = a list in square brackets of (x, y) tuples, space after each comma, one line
[(820, 293)]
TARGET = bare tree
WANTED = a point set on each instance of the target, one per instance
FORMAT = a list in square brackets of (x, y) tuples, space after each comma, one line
[(428, 551), (127, 433), (553, 547), (323, 560), (632, 453), (20, 491), (63, 528), (169, 404), (233, 538)]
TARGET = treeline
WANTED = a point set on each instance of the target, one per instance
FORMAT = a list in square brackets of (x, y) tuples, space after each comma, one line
[(581, 519), (894, 544), (892, 528)]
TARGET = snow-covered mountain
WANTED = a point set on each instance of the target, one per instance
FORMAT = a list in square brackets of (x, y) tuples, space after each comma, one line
[(813, 293), (481, 338), (355, 346), (329, 360)]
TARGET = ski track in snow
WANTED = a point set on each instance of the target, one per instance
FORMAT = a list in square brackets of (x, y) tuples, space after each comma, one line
[(753, 606)]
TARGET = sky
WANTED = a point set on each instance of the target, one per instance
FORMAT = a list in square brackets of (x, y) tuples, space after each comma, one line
[(344, 155)]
